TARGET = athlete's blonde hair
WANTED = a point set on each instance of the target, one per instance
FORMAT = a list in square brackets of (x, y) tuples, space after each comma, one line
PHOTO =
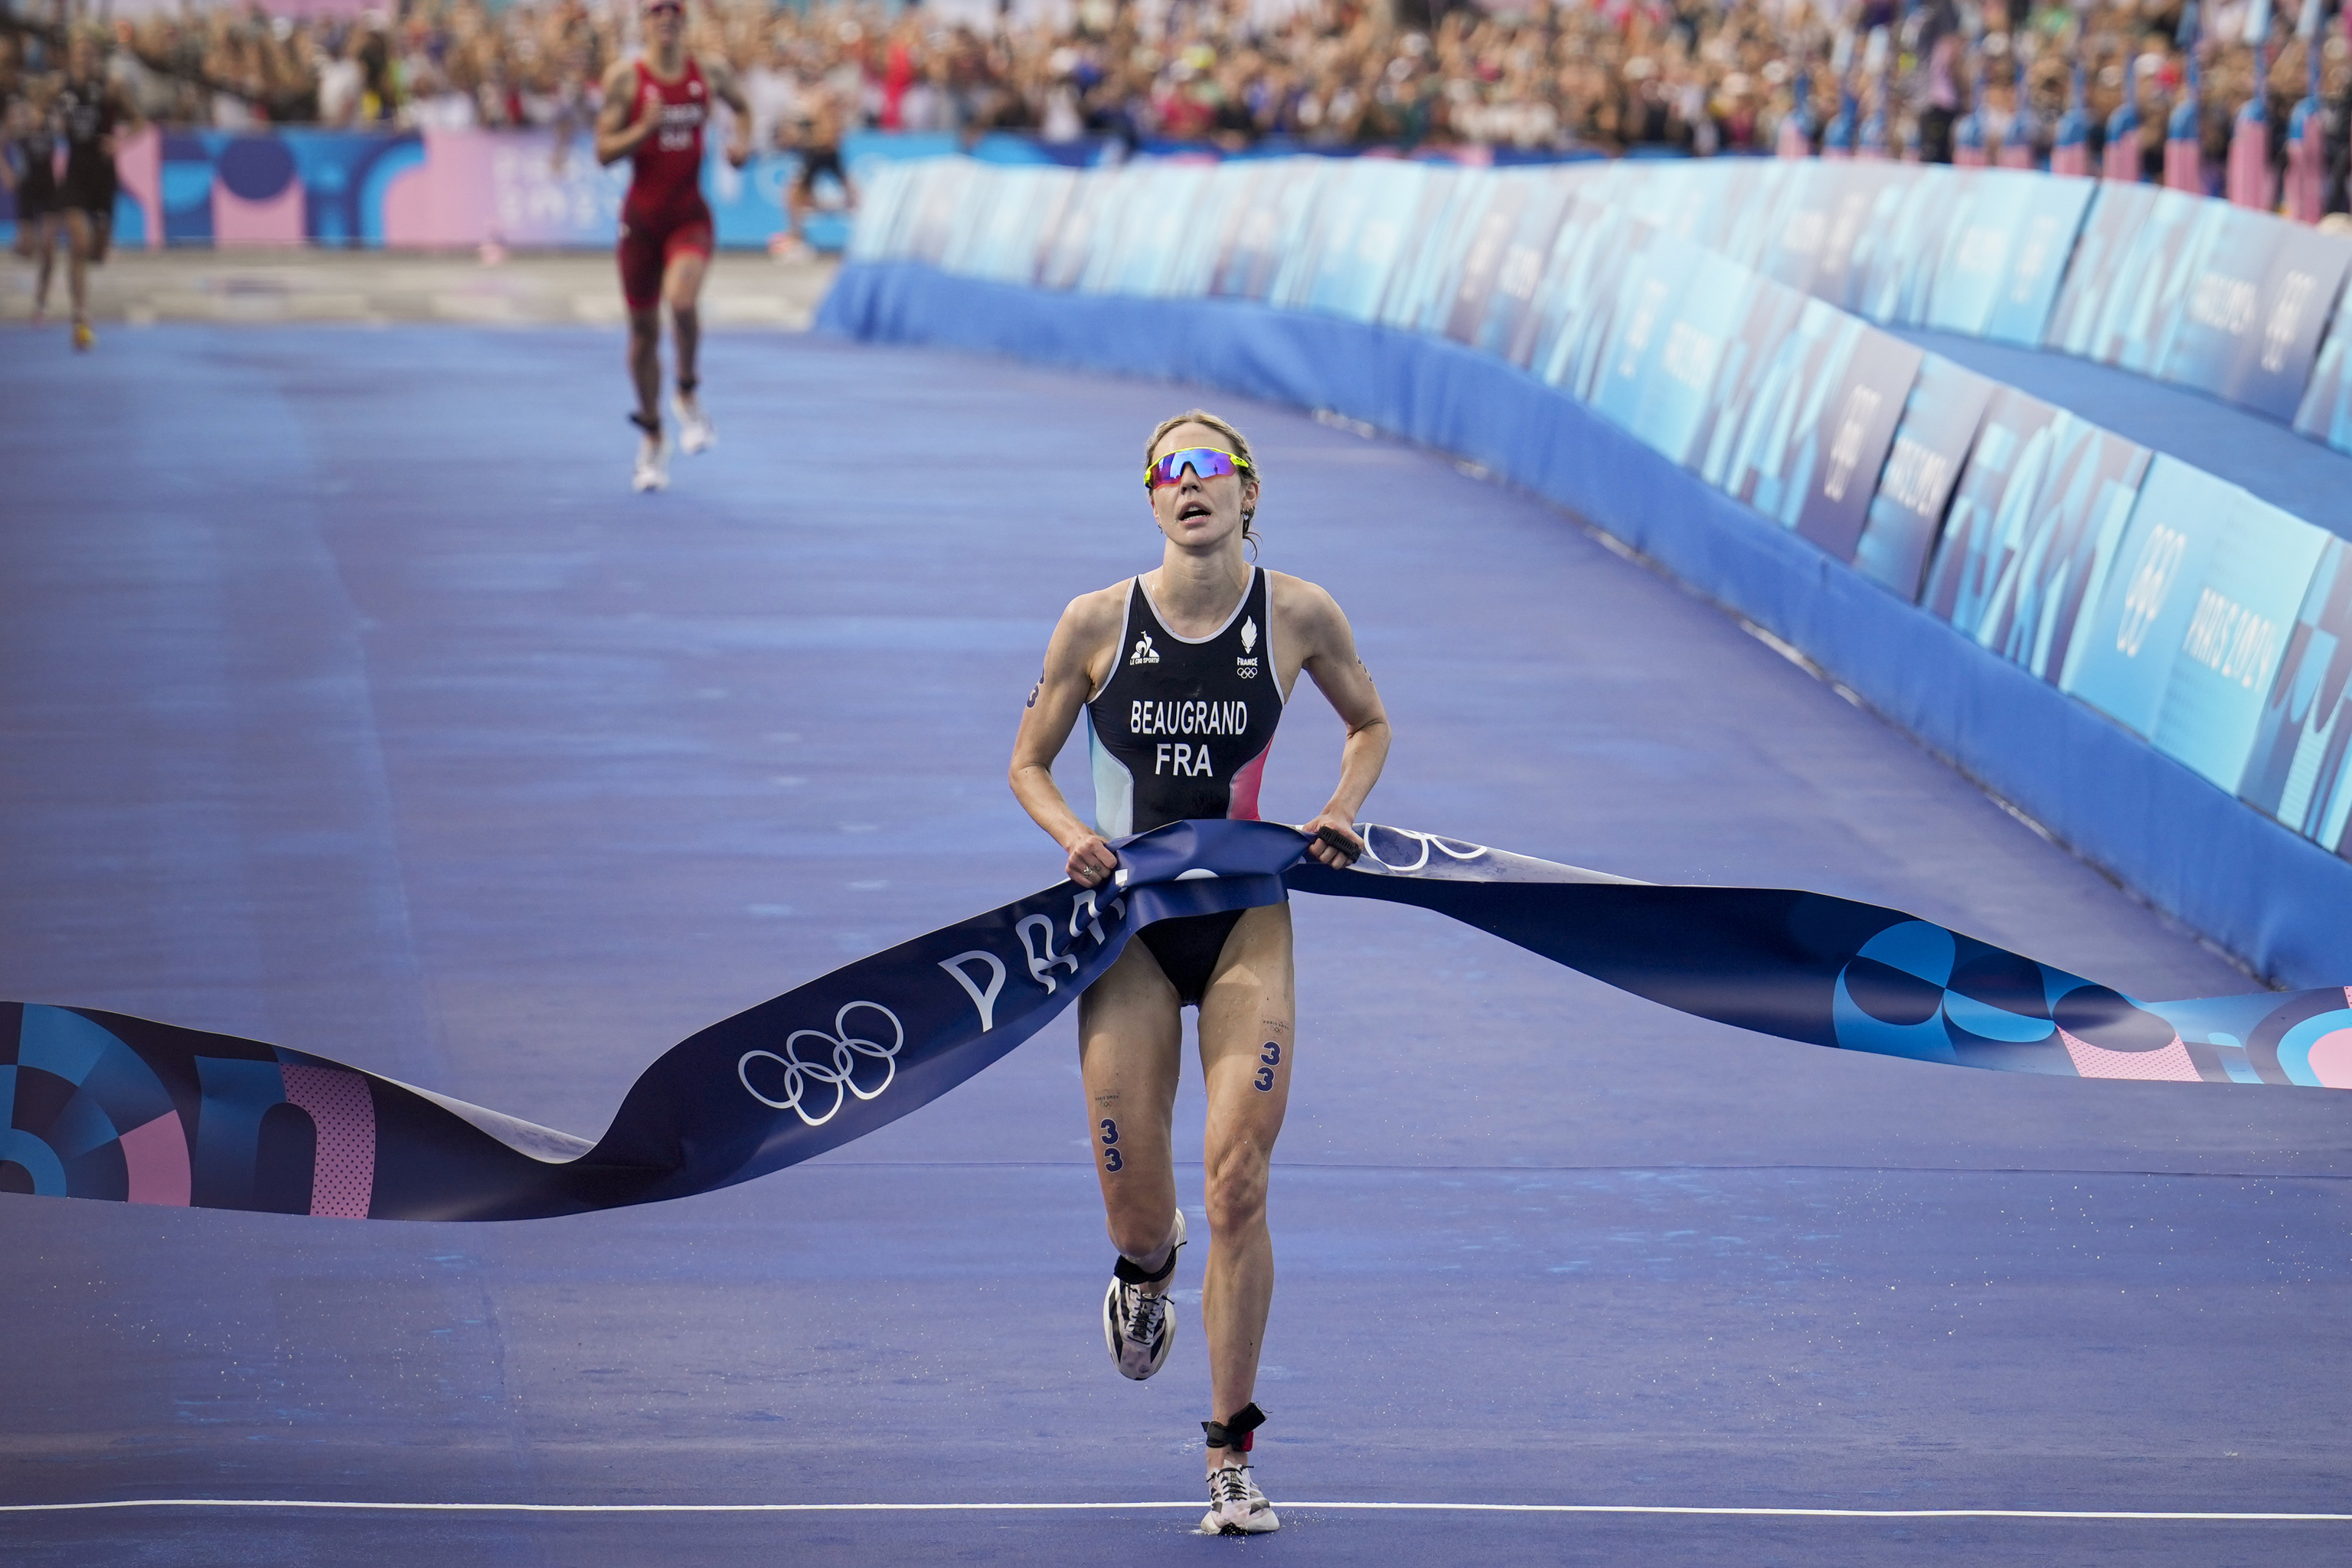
[(1240, 447)]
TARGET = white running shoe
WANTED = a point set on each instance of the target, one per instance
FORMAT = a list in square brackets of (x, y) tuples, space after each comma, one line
[(694, 430), (652, 465), (1236, 1505), (1137, 1325)]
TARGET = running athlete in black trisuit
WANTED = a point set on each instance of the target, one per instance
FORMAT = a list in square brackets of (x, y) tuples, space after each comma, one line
[(92, 114), (28, 163), (1183, 673), (816, 136)]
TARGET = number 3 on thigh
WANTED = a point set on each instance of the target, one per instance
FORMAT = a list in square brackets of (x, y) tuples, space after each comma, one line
[(1272, 1058), (1113, 1161)]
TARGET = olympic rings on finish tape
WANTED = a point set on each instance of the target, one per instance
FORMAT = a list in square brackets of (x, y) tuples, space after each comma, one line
[(839, 1075), (1366, 831)]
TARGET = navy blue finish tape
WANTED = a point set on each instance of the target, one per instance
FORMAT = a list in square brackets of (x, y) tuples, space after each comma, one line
[(100, 1106)]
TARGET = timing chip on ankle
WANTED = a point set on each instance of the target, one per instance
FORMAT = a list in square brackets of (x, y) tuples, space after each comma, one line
[(1236, 1433)]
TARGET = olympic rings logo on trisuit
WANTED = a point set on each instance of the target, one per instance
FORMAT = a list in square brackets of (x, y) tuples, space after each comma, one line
[(840, 1074)]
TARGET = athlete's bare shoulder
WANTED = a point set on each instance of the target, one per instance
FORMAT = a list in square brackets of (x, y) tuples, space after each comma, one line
[(1303, 609), (725, 85), (1083, 643), (1095, 618), (619, 91)]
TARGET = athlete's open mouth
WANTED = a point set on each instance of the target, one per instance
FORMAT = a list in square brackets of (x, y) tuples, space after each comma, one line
[(1195, 508)]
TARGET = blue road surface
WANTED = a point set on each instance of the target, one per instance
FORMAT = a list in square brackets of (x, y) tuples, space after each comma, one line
[(351, 702)]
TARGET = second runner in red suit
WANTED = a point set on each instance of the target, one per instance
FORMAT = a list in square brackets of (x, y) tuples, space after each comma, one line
[(656, 108)]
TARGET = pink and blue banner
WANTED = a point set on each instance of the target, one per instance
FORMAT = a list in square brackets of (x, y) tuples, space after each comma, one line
[(442, 189)]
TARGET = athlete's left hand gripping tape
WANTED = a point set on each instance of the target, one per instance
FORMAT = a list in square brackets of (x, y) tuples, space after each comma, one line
[(101, 1106)]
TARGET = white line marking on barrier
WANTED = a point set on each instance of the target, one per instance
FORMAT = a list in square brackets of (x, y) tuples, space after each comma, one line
[(1577, 1507)]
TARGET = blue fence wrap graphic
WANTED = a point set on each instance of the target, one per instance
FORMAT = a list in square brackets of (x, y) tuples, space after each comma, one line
[(2296, 773), (99, 1106), (2004, 254), (1932, 442), (2024, 570), (2325, 412), (2185, 642)]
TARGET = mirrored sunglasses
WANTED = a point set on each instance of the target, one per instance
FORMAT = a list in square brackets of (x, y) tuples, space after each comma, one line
[(1206, 462)]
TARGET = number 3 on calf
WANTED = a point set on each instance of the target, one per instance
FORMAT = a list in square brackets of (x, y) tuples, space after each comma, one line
[(1113, 1161), (1271, 1056)]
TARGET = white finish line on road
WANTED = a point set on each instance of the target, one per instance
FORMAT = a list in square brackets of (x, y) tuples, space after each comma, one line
[(1565, 1508)]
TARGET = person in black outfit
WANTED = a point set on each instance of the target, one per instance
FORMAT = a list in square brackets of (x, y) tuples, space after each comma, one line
[(92, 114), (1183, 674), (816, 136), (29, 167)]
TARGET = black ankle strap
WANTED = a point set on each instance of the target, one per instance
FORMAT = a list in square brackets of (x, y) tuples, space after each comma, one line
[(1236, 1433), (647, 423), (1131, 1273), (687, 383)]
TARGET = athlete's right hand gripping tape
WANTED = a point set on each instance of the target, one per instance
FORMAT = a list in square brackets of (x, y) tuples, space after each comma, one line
[(102, 1106)]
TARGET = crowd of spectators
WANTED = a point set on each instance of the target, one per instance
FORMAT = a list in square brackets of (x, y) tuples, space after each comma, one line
[(1698, 76)]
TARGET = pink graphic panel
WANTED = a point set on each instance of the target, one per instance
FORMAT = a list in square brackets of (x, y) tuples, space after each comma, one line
[(445, 202), (2170, 1065), (139, 166), (342, 1176), (2331, 1058), (1246, 781), (157, 1155), (273, 220)]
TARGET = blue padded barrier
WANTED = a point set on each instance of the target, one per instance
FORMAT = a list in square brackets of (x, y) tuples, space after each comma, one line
[(2276, 899)]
